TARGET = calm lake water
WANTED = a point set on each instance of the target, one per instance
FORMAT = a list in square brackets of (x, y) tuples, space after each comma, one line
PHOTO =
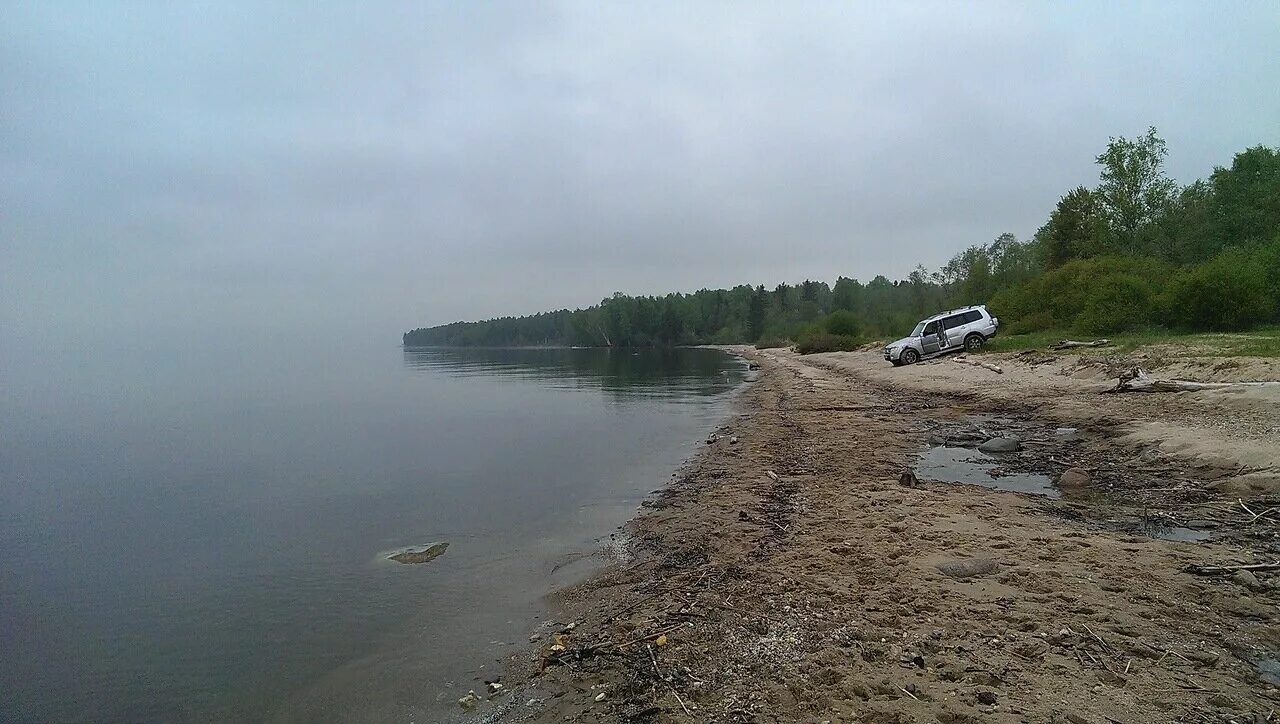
[(198, 536)]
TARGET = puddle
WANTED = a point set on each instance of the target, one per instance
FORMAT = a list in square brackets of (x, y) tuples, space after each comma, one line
[(1173, 533), (962, 465), (1268, 669)]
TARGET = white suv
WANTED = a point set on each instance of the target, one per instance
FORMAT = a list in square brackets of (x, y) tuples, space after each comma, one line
[(968, 328)]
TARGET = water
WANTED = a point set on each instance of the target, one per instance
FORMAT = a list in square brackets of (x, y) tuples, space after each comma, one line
[(962, 465), (195, 534)]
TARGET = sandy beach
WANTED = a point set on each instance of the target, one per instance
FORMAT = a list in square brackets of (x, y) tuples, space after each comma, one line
[(789, 573)]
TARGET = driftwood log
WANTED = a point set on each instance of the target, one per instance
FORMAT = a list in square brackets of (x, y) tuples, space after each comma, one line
[(1224, 570), (1137, 380), (985, 365), (1071, 344)]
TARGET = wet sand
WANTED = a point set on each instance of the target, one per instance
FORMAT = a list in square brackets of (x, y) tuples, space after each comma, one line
[(788, 575)]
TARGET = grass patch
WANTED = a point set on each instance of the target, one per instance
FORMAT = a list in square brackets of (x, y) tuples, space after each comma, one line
[(1257, 343)]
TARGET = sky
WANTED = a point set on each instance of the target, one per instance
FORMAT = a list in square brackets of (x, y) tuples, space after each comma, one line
[(236, 170)]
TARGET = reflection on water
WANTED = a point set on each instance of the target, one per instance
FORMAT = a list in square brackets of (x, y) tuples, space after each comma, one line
[(962, 465), (192, 536), (664, 373)]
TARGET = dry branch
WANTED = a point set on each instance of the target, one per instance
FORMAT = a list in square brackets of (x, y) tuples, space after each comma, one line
[(1071, 344), (1137, 380), (1222, 570), (985, 365)]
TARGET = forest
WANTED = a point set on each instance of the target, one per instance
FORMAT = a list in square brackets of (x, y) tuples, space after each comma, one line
[(1136, 252)]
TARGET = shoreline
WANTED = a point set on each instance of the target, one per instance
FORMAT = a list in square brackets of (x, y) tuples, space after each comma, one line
[(788, 576)]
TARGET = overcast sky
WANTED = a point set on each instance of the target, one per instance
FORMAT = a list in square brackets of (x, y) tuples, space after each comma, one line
[(355, 170)]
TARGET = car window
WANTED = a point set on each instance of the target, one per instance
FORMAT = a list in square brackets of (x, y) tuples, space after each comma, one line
[(954, 321), (919, 330), (931, 328), (970, 317)]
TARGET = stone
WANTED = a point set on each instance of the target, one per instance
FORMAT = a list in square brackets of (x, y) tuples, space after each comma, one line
[(419, 554), (1075, 479), (908, 479), (1001, 445), (600, 696), (469, 701), (1068, 434), (987, 697), (968, 568), (1248, 580), (1204, 658)]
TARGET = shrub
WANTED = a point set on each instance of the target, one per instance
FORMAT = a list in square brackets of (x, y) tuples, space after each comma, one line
[(842, 323), (1231, 291), (1116, 303), (827, 342), (772, 342)]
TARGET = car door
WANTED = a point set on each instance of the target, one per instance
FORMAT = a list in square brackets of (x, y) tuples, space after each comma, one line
[(929, 343), (955, 331)]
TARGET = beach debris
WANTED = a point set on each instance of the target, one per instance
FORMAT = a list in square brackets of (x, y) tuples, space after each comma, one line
[(1001, 445), (660, 641), (494, 686), (1072, 344), (419, 554), (733, 440), (601, 696), (772, 475), (968, 568), (1138, 380), (909, 479), (1075, 478), (985, 365), (469, 701), (712, 438), (1231, 568)]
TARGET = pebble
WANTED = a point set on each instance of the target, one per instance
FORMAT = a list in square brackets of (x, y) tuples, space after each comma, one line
[(600, 696)]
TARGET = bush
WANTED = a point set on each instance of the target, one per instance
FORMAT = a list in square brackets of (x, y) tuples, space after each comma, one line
[(1103, 294), (1231, 291), (826, 342), (842, 323), (1116, 303), (772, 342)]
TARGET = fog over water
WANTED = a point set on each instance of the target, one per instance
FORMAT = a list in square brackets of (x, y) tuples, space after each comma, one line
[(200, 536)]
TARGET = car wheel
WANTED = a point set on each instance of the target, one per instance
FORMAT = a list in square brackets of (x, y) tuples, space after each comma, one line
[(974, 342), (909, 357)]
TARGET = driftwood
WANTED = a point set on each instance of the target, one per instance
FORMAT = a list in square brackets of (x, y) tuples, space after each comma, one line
[(1223, 570), (1137, 380), (985, 365), (1071, 344)]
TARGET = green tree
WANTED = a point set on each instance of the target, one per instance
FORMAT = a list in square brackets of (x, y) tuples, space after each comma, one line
[(1075, 228), (755, 316), (1134, 188)]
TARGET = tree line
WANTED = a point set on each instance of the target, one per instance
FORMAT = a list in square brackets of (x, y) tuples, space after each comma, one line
[(1138, 251)]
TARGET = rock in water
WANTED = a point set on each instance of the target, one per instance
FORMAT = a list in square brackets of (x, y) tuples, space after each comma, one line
[(1075, 478), (1001, 445), (908, 479), (419, 554), (968, 568)]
